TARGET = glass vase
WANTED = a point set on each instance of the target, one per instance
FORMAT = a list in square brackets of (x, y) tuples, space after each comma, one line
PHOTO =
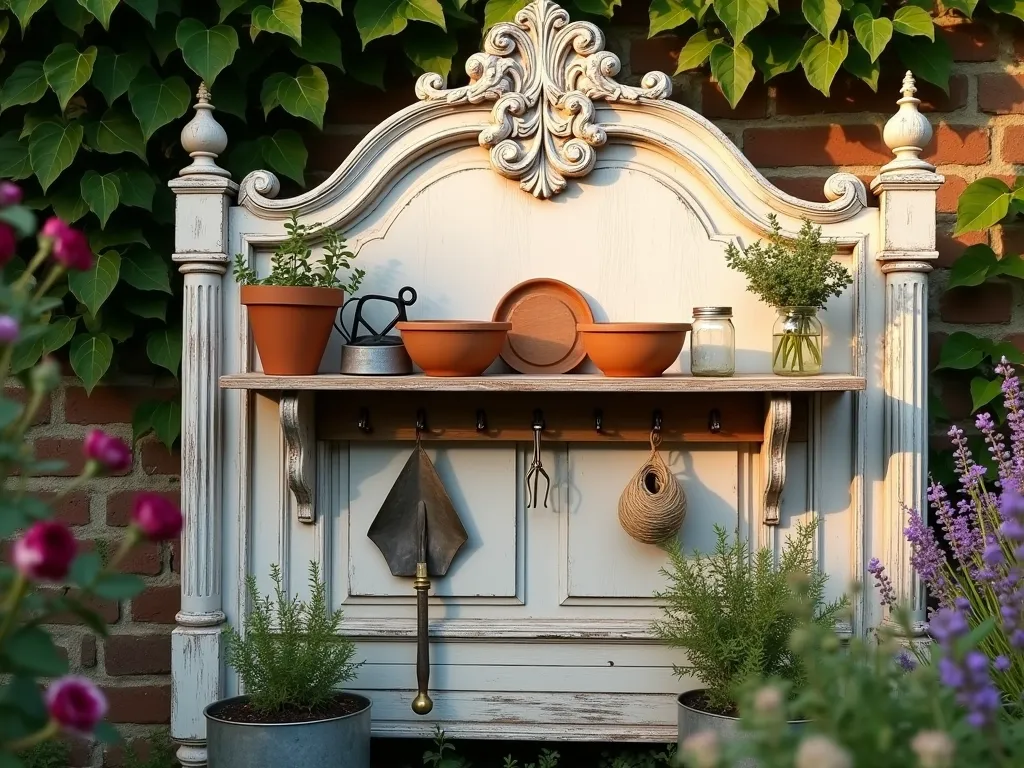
[(797, 342)]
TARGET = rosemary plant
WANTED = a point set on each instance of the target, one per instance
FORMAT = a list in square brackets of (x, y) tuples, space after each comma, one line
[(798, 276), (291, 264)]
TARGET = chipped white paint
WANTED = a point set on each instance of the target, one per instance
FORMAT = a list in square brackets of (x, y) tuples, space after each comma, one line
[(657, 193), (777, 425)]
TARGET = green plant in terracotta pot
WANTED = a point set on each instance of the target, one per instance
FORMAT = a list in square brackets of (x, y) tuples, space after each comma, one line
[(797, 277), (730, 611), (292, 310)]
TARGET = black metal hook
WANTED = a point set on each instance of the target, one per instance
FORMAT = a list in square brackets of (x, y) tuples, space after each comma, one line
[(656, 422), (364, 421), (481, 420), (599, 421), (538, 419), (714, 421), (421, 422)]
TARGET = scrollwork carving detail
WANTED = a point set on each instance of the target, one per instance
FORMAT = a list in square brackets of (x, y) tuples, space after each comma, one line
[(543, 74)]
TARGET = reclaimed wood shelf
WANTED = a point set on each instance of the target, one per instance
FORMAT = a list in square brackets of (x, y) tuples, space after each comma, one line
[(563, 383)]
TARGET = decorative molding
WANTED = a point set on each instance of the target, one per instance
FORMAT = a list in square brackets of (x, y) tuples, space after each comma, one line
[(777, 425), (298, 428), (908, 132), (204, 139), (909, 262), (543, 74)]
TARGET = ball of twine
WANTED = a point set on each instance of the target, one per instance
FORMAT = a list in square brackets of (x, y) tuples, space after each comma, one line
[(652, 505)]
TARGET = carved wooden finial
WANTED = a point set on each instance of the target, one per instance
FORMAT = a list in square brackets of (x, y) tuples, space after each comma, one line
[(204, 139), (908, 131)]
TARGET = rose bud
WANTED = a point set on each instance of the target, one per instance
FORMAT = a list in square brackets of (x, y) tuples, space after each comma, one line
[(76, 704), (45, 551), (156, 517), (70, 247), (8, 329), (10, 194), (8, 242), (110, 452)]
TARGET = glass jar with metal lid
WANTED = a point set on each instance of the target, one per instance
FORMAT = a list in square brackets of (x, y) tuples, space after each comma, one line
[(712, 342)]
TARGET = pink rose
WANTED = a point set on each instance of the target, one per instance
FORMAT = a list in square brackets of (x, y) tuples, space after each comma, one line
[(70, 247), (156, 517), (109, 451), (76, 704), (8, 242), (45, 551), (9, 329), (10, 194)]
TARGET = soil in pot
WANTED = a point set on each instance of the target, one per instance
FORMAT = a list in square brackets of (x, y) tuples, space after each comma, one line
[(341, 704), (698, 700)]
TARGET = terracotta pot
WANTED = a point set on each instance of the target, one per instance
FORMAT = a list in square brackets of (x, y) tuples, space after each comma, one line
[(453, 348), (291, 326), (639, 350)]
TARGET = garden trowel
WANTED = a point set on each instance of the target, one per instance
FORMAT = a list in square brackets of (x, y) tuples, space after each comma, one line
[(419, 533)]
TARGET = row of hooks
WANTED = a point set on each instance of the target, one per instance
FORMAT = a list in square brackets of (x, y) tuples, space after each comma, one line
[(657, 421)]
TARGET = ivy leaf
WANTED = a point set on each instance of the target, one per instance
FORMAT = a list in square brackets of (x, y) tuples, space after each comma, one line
[(929, 60), (381, 18), (24, 10), (101, 239), (740, 17), (823, 15), (150, 306), (285, 151), (14, 157), (429, 11), (101, 193), (911, 20), (733, 68), (873, 34), (51, 149), (157, 102), (973, 266), (669, 14), (145, 270), (1010, 266), (270, 95), (230, 96), (206, 51), (166, 422), (93, 286), (72, 15), (335, 4), (25, 85), (984, 391), (114, 72), (245, 157), (284, 18), (966, 7), (320, 45), (304, 95), (696, 50), (164, 349), (367, 67), (67, 70), (161, 37), (961, 351), (91, 354), (101, 9), (821, 59), (67, 202), (495, 12), (984, 203), (56, 335), (227, 7), (116, 132), (431, 50), (147, 9), (1009, 7), (859, 64), (137, 188), (775, 54)]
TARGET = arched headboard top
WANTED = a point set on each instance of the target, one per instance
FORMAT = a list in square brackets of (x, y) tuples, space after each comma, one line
[(543, 99)]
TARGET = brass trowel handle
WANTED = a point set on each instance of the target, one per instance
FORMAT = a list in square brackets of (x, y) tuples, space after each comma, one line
[(422, 704)]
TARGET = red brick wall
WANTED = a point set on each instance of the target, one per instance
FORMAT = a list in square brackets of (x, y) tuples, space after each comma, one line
[(133, 664), (793, 134)]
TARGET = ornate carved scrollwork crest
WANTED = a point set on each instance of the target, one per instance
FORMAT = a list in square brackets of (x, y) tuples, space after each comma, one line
[(543, 74)]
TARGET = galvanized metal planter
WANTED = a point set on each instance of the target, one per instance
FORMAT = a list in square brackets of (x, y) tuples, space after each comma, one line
[(693, 720), (338, 742)]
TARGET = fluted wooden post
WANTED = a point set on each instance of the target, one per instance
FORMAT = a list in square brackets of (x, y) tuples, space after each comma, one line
[(204, 193), (907, 189)]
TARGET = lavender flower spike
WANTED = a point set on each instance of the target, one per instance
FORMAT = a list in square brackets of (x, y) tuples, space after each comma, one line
[(882, 582)]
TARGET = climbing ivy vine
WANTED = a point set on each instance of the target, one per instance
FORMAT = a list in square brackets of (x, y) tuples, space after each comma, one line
[(94, 93)]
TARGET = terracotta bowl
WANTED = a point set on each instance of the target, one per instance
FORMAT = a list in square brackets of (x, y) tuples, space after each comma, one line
[(639, 350), (453, 347)]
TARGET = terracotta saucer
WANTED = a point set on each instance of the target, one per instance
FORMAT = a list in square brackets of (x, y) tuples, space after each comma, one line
[(544, 314)]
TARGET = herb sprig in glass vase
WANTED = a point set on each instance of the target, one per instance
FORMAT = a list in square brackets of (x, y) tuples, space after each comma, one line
[(797, 277)]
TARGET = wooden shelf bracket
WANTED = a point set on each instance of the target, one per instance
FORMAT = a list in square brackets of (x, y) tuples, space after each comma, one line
[(298, 410), (778, 423)]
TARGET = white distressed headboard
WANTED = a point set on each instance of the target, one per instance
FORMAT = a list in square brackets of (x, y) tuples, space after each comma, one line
[(543, 166)]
